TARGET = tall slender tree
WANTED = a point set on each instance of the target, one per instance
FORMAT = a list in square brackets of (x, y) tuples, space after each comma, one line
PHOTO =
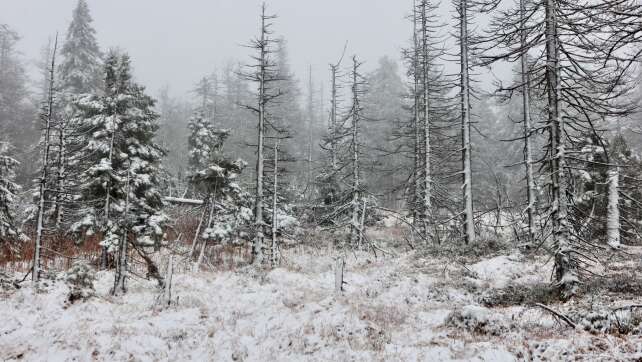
[(463, 17), (265, 74), (48, 120)]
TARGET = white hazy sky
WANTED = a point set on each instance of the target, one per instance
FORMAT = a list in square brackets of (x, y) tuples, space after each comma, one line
[(177, 41)]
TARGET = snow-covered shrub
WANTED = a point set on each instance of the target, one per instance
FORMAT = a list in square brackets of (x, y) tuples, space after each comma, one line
[(476, 319), (606, 321), (80, 279), (7, 284), (519, 294)]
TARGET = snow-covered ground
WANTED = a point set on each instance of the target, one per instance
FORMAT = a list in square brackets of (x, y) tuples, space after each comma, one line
[(395, 308)]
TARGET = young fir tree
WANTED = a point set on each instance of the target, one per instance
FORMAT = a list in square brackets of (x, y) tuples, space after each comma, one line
[(214, 177), (119, 195)]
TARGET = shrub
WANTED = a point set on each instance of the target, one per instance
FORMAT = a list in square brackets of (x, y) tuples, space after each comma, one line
[(80, 279)]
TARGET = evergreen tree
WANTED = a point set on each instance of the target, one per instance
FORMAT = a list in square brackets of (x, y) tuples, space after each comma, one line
[(119, 191), (16, 111), (80, 70), (8, 189), (214, 177), (78, 74), (202, 142)]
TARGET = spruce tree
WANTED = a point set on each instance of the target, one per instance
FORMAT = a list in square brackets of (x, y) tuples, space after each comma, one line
[(119, 191), (8, 189), (80, 70), (79, 74)]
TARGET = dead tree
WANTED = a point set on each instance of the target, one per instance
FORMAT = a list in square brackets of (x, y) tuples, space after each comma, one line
[(354, 144), (264, 72), (274, 247), (580, 64), (48, 119), (531, 208), (466, 145)]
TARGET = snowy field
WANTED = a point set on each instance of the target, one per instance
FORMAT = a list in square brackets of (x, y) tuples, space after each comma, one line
[(411, 306)]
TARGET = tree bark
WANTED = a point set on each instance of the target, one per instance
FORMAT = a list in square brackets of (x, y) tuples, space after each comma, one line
[(613, 209), (466, 124), (528, 153), (44, 174)]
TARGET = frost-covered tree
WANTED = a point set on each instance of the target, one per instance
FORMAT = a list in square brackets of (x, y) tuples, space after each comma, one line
[(9, 230), (227, 213), (265, 74), (580, 63), (463, 18), (354, 143), (79, 74), (81, 69), (214, 179), (203, 142), (48, 116), (16, 111), (328, 180), (119, 194)]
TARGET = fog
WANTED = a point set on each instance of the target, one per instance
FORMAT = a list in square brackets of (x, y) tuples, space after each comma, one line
[(176, 42)]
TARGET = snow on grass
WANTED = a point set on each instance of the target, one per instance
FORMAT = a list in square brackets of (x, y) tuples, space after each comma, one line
[(498, 271), (392, 310)]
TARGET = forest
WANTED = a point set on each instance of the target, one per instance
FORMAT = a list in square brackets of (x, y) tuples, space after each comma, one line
[(397, 210)]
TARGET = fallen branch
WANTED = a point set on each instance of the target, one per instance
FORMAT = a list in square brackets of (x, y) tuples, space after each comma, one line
[(558, 315), (181, 201), (629, 307)]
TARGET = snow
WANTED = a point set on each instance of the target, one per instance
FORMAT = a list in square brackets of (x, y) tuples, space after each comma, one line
[(499, 271), (394, 308)]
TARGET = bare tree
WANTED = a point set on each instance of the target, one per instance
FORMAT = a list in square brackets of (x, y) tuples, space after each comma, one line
[(463, 8), (48, 119), (578, 64), (264, 72)]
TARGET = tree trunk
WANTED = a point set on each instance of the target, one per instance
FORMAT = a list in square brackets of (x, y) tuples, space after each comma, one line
[(201, 255), (417, 202), (274, 247), (338, 274), (466, 124), (333, 120), (198, 232), (121, 264), (613, 209), (354, 225), (45, 164), (528, 153), (427, 173), (258, 245), (565, 264)]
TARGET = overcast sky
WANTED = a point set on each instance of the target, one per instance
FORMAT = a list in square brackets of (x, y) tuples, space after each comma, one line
[(176, 42)]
